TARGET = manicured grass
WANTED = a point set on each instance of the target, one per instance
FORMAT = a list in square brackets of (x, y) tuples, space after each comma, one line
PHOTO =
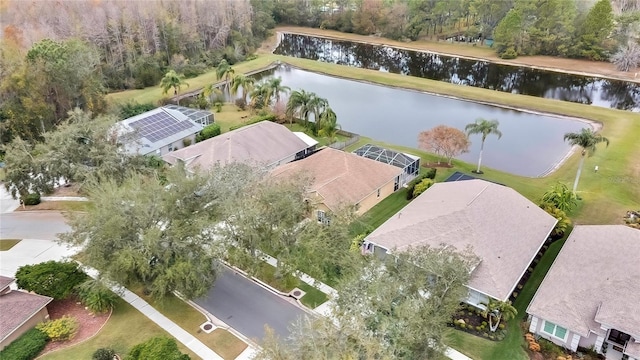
[(322, 141), (380, 212), (126, 328), (59, 206), (230, 116), (6, 244), (221, 341), (154, 93), (313, 297)]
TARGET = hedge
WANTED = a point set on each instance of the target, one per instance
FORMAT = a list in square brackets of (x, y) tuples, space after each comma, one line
[(26, 347), (429, 174), (208, 132)]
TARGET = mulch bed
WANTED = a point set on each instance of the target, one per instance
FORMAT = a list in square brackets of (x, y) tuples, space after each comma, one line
[(475, 323), (89, 323)]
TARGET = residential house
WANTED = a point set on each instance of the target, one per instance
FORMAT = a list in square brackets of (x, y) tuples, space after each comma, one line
[(157, 132), (20, 311), (409, 164), (339, 179), (202, 117), (590, 296), (262, 144), (503, 228)]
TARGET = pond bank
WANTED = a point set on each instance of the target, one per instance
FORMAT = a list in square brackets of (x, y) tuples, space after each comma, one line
[(548, 63)]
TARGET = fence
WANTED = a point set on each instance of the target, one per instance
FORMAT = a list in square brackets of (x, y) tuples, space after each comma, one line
[(339, 145)]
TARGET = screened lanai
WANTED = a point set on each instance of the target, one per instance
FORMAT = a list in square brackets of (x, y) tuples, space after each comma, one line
[(408, 163), (202, 117)]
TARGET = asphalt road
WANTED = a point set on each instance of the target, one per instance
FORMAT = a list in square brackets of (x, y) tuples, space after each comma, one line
[(247, 307), (42, 225)]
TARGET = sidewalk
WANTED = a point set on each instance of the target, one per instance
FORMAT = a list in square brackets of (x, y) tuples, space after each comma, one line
[(64, 198), (154, 315)]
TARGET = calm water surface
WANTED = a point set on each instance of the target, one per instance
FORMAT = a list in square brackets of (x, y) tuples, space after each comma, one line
[(531, 144), (616, 94)]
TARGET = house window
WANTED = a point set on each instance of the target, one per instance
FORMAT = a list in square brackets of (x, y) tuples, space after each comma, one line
[(554, 330), (322, 217)]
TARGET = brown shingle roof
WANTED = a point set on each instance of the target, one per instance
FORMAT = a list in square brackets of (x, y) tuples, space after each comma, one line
[(594, 280), (17, 307), (340, 178), (263, 143), (504, 229)]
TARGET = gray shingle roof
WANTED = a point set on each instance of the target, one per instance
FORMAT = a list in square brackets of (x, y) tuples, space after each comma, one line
[(264, 143), (504, 229), (594, 280)]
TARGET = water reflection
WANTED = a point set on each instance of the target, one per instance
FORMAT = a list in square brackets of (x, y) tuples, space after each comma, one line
[(520, 80)]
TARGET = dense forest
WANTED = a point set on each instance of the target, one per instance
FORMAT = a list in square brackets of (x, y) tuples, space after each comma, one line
[(58, 55)]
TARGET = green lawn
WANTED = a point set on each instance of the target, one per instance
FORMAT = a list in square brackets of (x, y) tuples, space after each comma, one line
[(6, 244), (60, 206), (221, 341), (230, 116), (126, 328), (313, 297)]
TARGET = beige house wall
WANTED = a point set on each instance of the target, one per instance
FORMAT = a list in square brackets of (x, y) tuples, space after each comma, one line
[(39, 317), (373, 198)]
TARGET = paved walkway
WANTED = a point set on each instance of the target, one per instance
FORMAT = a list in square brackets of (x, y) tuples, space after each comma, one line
[(64, 198), (154, 315)]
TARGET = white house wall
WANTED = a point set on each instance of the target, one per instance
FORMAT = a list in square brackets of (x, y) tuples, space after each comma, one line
[(571, 343)]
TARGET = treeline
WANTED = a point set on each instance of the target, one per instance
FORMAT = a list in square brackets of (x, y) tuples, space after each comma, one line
[(568, 28), (59, 55)]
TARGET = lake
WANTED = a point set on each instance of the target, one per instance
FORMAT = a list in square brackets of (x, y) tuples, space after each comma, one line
[(595, 91), (531, 144)]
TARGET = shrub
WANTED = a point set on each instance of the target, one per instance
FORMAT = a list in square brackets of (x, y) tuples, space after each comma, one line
[(208, 132), (501, 326), (550, 349), (186, 142), (422, 187), (103, 354), (51, 278), (509, 53), (463, 325), (61, 329), (26, 347), (429, 174), (261, 117), (478, 328), (157, 348), (97, 297), (241, 103), (31, 199), (131, 109)]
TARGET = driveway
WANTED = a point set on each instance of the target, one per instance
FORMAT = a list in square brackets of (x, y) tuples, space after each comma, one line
[(38, 230), (42, 225), (248, 307)]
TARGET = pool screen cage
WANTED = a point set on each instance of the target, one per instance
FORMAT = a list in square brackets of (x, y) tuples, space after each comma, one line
[(408, 163)]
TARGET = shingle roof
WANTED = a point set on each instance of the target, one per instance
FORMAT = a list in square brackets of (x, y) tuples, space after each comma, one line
[(504, 229), (17, 307), (595, 279), (264, 143), (5, 281), (340, 178), (147, 132)]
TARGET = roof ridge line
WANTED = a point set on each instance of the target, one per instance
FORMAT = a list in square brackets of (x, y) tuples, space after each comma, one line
[(478, 195)]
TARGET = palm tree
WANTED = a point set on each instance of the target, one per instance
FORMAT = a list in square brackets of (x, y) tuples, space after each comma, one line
[(275, 87), (587, 139), (300, 104), (225, 71), (212, 93), (328, 124), (242, 81), (496, 310), (486, 128), (172, 80), (259, 95)]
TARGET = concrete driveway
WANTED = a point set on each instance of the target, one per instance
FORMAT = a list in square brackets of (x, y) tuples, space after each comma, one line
[(248, 307), (38, 231), (42, 225)]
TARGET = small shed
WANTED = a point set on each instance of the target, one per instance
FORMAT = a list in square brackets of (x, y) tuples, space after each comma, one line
[(409, 164)]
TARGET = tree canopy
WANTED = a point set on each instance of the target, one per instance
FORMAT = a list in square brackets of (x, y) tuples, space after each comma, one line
[(395, 310), (444, 140), (157, 348), (145, 231)]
